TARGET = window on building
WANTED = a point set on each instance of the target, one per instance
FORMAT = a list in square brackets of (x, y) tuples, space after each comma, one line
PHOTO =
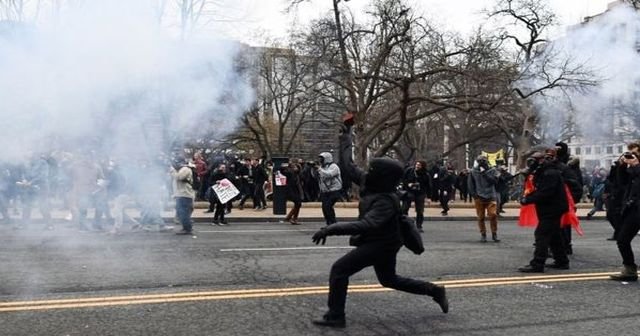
[(609, 149), (598, 150), (587, 150), (620, 149), (578, 150)]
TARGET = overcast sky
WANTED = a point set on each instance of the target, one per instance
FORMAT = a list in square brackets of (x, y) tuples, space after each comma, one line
[(267, 17)]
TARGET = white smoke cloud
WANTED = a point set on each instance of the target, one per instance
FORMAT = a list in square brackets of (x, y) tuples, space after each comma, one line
[(107, 74), (608, 46)]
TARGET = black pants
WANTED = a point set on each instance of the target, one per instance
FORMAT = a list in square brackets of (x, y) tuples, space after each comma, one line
[(549, 235), (248, 192), (628, 231), (259, 197), (219, 212), (328, 200), (383, 259), (614, 215), (445, 196), (419, 201)]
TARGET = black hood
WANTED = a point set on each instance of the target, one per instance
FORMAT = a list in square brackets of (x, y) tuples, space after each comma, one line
[(383, 175), (562, 152)]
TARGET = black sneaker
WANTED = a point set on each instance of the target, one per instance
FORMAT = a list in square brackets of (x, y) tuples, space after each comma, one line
[(223, 222), (531, 269), (329, 321), (208, 211), (215, 222), (184, 233), (440, 297)]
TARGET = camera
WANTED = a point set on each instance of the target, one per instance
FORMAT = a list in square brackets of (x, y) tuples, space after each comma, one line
[(629, 155)]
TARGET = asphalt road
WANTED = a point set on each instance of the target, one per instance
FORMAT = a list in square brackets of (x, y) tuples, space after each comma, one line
[(268, 279)]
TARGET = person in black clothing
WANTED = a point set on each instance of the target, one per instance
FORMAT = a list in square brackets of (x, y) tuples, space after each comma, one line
[(502, 188), (417, 183), (570, 169), (629, 174), (551, 203), (293, 190), (614, 196), (216, 178), (461, 184), (260, 178), (446, 180), (380, 239), (246, 175)]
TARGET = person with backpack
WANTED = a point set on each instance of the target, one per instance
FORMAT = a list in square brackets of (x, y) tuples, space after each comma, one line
[(379, 235)]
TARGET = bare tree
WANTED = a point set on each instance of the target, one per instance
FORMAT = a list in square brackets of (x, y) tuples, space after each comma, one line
[(286, 86), (540, 67)]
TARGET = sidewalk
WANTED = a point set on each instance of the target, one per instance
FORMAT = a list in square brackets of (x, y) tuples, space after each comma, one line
[(312, 212)]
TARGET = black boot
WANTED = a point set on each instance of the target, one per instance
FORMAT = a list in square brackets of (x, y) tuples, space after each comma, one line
[(628, 273), (483, 238), (329, 320), (440, 297), (494, 236)]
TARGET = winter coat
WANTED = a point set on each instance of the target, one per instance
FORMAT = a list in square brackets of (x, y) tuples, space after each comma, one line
[(294, 191), (549, 195), (328, 174), (482, 184), (421, 177)]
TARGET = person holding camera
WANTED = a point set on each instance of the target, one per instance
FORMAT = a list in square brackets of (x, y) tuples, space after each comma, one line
[(482, 188), (417, 184), (630, 217), (292, 171)]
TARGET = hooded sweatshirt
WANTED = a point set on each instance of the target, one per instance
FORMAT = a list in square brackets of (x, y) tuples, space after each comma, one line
[(329, 178)]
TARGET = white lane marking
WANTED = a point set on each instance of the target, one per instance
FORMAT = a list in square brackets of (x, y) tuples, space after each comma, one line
[(286, 248), (253, 231)]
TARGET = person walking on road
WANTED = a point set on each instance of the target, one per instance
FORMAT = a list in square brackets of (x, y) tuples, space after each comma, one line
[(380, 239), (482, 188)]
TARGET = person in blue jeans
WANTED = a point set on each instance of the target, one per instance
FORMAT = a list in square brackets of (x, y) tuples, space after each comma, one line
[(183, 193), (597, 191)]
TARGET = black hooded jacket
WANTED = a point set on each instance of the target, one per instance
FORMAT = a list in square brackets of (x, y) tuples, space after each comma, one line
[(379, 207), (549, 195)]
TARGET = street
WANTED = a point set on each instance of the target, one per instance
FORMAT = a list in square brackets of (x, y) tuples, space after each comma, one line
[(269, 279)]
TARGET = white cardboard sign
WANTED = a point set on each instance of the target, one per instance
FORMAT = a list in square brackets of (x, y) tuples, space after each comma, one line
[(225, 190)]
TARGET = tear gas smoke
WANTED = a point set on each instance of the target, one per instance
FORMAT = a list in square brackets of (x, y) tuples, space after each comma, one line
[(106, 76), (608, 46)]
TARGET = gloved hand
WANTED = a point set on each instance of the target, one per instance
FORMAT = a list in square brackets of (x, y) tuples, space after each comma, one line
[(320, 236), (524, 200)]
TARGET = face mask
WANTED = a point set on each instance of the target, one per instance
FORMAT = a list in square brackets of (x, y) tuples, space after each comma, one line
[(532, 163)]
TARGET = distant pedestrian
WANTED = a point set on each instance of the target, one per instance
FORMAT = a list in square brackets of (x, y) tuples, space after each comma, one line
[(292, 172), (417, 184)]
